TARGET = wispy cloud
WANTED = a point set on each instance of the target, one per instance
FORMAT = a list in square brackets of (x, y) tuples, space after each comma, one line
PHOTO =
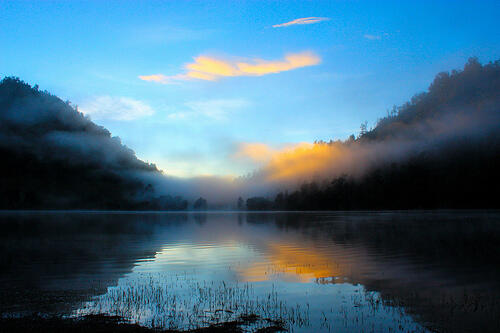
[(212, 68), (160, 78), (216, 109), (116, 108), (372, 37), (300, 21), (165, 34)]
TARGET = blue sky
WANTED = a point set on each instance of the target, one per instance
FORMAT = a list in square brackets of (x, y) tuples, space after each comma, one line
[(275, 86)]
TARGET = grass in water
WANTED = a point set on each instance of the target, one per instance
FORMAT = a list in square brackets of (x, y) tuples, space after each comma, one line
[(183, 303)]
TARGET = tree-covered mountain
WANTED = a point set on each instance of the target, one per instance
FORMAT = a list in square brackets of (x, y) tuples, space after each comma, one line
[(54, 157), (439, 150)]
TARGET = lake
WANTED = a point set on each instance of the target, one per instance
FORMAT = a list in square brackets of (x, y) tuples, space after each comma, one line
[(313, 272)]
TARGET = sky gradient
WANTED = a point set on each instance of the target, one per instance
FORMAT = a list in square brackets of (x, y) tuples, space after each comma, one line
[(197, 87)]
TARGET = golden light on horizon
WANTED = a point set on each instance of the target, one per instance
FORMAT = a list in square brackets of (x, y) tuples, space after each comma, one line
[(301, 160)]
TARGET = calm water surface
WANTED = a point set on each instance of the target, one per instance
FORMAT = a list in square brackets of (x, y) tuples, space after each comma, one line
[(338, 272)]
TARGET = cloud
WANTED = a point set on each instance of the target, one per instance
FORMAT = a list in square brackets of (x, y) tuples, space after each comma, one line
[(291, 161), (165, 34), (160, 78), (263, 153), (212, 68), (304, 161), (216, 109), (373, 37), (300, 21), (257, 152), (116, 108)]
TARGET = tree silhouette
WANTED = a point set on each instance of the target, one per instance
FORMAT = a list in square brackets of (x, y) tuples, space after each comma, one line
[(200, 204), (240, 203)]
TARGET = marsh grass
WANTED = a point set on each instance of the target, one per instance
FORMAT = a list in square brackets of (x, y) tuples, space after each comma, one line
[(180, 302)]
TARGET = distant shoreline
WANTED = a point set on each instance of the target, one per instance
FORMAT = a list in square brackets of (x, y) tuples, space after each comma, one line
[(439, 210)]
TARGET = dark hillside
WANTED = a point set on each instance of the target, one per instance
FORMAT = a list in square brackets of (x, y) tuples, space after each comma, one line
[(53, 157), (454, 132)]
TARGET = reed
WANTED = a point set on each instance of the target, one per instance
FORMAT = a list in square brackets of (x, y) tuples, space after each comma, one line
[(180, 302)]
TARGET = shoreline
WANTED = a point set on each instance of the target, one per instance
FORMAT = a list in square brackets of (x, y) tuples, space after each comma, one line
[(104, 324)]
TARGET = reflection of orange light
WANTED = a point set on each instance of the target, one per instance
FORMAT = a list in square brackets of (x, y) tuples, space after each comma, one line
[(297, 264)]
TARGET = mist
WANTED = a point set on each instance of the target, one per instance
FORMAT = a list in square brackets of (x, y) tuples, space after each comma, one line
[(457, 118), (56, 157)]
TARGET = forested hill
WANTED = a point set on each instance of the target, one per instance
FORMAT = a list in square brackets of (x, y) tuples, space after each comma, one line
[(54, 157), (473, 92), (439, 150)]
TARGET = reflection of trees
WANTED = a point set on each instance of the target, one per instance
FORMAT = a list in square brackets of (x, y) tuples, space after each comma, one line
[(200, 218), (52, 259), (442, 267), (200, 204)]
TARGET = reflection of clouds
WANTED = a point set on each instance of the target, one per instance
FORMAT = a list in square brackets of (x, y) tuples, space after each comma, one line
[(199, 256), (291, 263), (299, 260), (221, 250), (412, 261)]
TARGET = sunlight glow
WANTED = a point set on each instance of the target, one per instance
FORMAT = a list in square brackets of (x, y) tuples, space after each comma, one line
[(293, 161), (303, 160), (292, 263)]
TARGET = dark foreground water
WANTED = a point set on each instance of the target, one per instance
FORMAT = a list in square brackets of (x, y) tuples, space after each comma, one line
[(338, 272)]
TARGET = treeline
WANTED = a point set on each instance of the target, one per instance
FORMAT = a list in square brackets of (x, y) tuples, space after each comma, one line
[(457, 169), (423, 182), (54, 157)]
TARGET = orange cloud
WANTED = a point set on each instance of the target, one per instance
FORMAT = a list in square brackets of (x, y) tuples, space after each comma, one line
[(300, 21), (297, 161), (212, 68), (155, 78), (291, 61), (303, 160), (258, 152)]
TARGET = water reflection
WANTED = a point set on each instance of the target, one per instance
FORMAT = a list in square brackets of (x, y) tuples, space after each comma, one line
[(320, 271)]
